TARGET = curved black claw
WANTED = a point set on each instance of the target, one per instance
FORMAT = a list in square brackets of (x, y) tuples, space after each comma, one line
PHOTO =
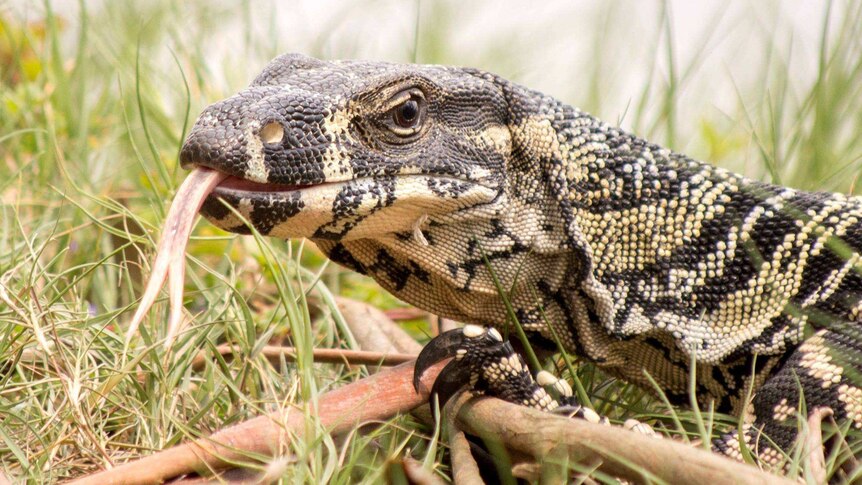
[(441, 347), (473, 349)]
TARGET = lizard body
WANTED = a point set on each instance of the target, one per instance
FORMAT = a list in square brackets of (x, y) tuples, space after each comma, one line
[(641, 259)]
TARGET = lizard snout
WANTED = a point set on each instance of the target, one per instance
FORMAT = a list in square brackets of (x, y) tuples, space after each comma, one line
[(265, 135)]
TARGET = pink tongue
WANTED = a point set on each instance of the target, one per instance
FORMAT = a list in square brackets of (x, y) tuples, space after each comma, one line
[(170, 257)]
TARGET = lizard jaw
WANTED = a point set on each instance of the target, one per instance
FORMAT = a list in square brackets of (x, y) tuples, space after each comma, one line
[(365, 207)]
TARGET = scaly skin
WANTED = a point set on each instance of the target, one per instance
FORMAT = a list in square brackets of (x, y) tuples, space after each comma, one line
[(641, 258)]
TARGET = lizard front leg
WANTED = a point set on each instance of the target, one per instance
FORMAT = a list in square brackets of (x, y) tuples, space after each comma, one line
[(821, 368), (484, 363)]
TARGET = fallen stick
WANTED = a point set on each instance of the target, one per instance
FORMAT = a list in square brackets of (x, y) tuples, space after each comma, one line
[(405, 313), (378, 397), (373, 330), (814, 444), (274, 353), (465, 470), (416, 474), (620, 452), (546, 436)]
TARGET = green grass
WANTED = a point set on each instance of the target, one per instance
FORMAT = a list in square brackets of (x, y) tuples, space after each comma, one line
[(94, 105)]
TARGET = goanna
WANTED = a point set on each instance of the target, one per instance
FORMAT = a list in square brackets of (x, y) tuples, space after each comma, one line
[(642, 260)]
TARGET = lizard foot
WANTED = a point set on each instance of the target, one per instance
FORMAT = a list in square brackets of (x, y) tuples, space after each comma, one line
[(485, 364), (568, 405)]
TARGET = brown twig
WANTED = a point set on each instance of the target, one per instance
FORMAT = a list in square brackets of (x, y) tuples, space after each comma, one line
[(241, 476), (814, 444), (378, 397), (619, 452), (465, 470), (373, 330), (817, 446), (274, 353), (417, 474), (405, 313)]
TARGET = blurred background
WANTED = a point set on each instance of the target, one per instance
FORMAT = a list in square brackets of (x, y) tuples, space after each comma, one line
[(750, 85), (96, 98)]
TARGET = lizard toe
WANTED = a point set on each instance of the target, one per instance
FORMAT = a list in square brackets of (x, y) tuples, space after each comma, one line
[(443, 346)]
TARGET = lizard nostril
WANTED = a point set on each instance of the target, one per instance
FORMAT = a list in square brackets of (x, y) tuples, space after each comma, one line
[(272, 133)]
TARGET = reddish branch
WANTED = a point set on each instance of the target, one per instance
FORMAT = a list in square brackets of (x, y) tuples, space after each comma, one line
[(275, 353), (616, 451), (548, 438), (378, 397)]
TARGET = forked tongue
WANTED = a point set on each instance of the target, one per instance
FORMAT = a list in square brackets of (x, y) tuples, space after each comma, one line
[(170, 258)]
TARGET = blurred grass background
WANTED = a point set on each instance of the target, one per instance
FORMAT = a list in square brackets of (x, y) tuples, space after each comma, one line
[(95, 98)]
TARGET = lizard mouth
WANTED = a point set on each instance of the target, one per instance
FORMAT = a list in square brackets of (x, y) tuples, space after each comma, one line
[(359, 207), (364, 207), (235, 185)]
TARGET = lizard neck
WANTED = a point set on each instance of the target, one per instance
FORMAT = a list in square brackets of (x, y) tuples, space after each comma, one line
[(448, 270)]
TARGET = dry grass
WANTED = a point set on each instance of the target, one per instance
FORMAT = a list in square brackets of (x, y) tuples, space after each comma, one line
[(93, 108)]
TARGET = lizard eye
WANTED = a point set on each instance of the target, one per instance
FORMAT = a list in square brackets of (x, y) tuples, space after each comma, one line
[(407, 113)]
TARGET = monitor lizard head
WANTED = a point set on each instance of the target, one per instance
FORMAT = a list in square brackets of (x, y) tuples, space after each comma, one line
[(341, 150), (417, 175)]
